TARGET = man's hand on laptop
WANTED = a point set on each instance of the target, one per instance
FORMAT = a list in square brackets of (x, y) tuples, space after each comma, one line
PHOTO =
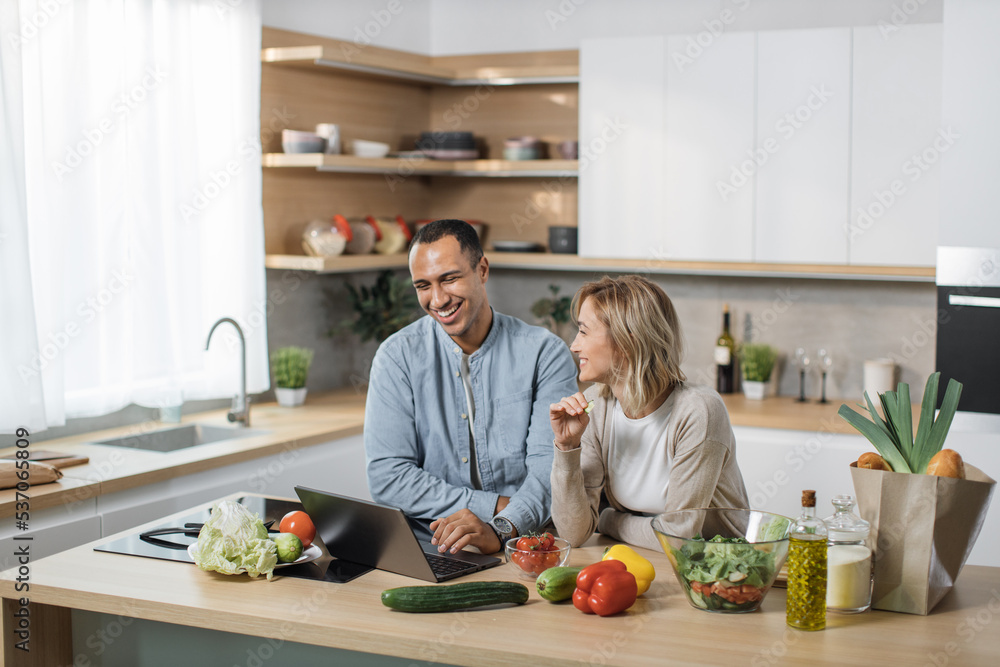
[(462, 529)]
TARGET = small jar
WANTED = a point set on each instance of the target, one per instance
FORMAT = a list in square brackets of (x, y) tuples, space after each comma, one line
[(849, 560), (326, 238)]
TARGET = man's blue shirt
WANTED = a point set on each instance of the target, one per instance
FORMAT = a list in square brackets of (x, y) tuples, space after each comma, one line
[(417, 431)]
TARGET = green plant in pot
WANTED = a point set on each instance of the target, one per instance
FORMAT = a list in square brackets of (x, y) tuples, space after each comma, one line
[(554, 311), (756, 365), (380, 310), (291, 368)]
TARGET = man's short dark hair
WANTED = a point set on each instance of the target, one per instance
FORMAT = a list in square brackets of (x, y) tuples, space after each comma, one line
[(462, 232)]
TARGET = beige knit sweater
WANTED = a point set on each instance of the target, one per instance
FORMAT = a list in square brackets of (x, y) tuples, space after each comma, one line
[(704, 472)]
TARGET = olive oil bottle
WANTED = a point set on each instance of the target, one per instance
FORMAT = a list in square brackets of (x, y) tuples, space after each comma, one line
[(805, 608)]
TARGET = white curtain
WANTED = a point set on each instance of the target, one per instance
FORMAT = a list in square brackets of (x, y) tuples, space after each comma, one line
[(141, 200)]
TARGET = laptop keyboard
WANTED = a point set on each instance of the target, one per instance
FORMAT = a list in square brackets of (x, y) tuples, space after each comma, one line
[(444, 566)]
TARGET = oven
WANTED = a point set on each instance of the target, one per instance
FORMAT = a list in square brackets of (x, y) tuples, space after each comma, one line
[(968, 333)]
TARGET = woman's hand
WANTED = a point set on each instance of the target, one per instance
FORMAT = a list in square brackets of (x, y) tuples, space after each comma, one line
[(569, 421)]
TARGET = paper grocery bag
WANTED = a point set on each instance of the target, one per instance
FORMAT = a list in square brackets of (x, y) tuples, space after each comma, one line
[(923, 527)]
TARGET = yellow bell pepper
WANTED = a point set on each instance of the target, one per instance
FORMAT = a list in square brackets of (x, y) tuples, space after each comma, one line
[(640, 568)]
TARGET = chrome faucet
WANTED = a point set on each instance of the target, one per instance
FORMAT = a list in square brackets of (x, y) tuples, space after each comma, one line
[(241, 402)]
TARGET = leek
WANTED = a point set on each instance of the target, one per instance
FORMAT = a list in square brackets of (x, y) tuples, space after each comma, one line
[(893, 436)]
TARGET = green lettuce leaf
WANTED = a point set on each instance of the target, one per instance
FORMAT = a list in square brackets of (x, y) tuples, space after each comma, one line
[(234, 541)]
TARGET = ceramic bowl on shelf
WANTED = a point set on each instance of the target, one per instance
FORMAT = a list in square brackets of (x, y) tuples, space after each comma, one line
[(734, 569), (364, 148), (530, 563), (295, 141)]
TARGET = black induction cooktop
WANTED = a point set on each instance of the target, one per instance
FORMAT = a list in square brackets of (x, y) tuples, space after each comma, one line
[(173, 545)]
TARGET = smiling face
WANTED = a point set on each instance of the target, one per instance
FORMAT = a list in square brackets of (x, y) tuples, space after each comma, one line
[(452, 291), (593, 346)]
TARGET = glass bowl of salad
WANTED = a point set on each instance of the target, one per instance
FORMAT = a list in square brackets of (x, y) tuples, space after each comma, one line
[(533, 554), (725, 559)]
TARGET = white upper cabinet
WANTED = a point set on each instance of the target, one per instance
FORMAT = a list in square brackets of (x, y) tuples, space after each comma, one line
[(709, 154), (621, 146), (897, 143), (804, 126)]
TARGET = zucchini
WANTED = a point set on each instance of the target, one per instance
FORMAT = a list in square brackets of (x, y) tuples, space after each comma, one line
[(557, 583), (455, 596)]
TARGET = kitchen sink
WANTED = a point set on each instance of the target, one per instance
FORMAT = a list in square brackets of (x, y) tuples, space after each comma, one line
[(181, 437)]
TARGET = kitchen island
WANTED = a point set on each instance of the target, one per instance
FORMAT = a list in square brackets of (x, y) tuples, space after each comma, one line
[(282, 620)]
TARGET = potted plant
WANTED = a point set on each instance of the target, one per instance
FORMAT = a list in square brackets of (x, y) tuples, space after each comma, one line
[(380, 310), (553, 312), (291, 366), (756, 364)]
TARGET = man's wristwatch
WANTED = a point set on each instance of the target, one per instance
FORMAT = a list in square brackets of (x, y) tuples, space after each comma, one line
[(504, 529)]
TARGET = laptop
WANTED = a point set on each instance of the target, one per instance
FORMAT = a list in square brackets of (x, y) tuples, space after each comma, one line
[(380, 536)]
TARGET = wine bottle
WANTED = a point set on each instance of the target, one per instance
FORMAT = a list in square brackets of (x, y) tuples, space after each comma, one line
[(724, 357), (805, 606)]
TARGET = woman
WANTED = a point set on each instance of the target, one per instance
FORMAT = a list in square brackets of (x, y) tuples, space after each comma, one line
[(651, 442)]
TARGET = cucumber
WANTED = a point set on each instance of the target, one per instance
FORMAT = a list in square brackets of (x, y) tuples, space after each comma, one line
[(454, 597), (557, 583)]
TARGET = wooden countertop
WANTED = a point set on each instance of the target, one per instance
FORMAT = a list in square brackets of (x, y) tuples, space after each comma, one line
[(661, 627), (324, 417), (785, 412)]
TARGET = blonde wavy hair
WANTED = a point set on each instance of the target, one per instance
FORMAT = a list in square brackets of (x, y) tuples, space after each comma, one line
[(645, 336)]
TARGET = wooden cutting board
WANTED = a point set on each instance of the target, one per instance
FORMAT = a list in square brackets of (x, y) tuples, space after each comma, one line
[(55, 459)]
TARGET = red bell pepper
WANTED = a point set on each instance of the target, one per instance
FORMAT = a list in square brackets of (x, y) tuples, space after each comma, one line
[(605, 588)]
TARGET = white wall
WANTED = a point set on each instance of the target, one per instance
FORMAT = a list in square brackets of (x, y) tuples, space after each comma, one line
[(970, 170), (391, 24)]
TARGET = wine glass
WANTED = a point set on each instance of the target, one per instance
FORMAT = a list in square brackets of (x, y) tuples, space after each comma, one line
[(825, 363), (803, 361)]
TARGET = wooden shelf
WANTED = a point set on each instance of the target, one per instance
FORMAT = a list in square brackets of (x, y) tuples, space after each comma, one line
[(346, 56), (339, 264), (423, 166), (554, 262)]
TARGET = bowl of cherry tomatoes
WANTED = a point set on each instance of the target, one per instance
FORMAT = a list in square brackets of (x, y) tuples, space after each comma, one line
[(533, 554)]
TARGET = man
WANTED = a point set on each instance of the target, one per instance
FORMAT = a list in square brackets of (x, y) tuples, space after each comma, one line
[(456, 422)]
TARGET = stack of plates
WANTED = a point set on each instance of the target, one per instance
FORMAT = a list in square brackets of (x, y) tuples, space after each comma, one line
[(448, 145)]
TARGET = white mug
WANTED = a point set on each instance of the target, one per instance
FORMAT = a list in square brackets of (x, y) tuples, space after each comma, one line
[(880, 377), (331, 133)]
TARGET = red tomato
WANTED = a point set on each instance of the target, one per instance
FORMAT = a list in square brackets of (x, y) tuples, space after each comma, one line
[(527, 543), (546, 542), (299, 524)]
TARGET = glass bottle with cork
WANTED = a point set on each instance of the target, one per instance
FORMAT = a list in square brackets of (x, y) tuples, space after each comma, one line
[(849, 560), (725, 376), (805, 607)]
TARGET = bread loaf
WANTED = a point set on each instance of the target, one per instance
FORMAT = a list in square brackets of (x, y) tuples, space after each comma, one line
[(947, 463), (38, 473), (873, 461)]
